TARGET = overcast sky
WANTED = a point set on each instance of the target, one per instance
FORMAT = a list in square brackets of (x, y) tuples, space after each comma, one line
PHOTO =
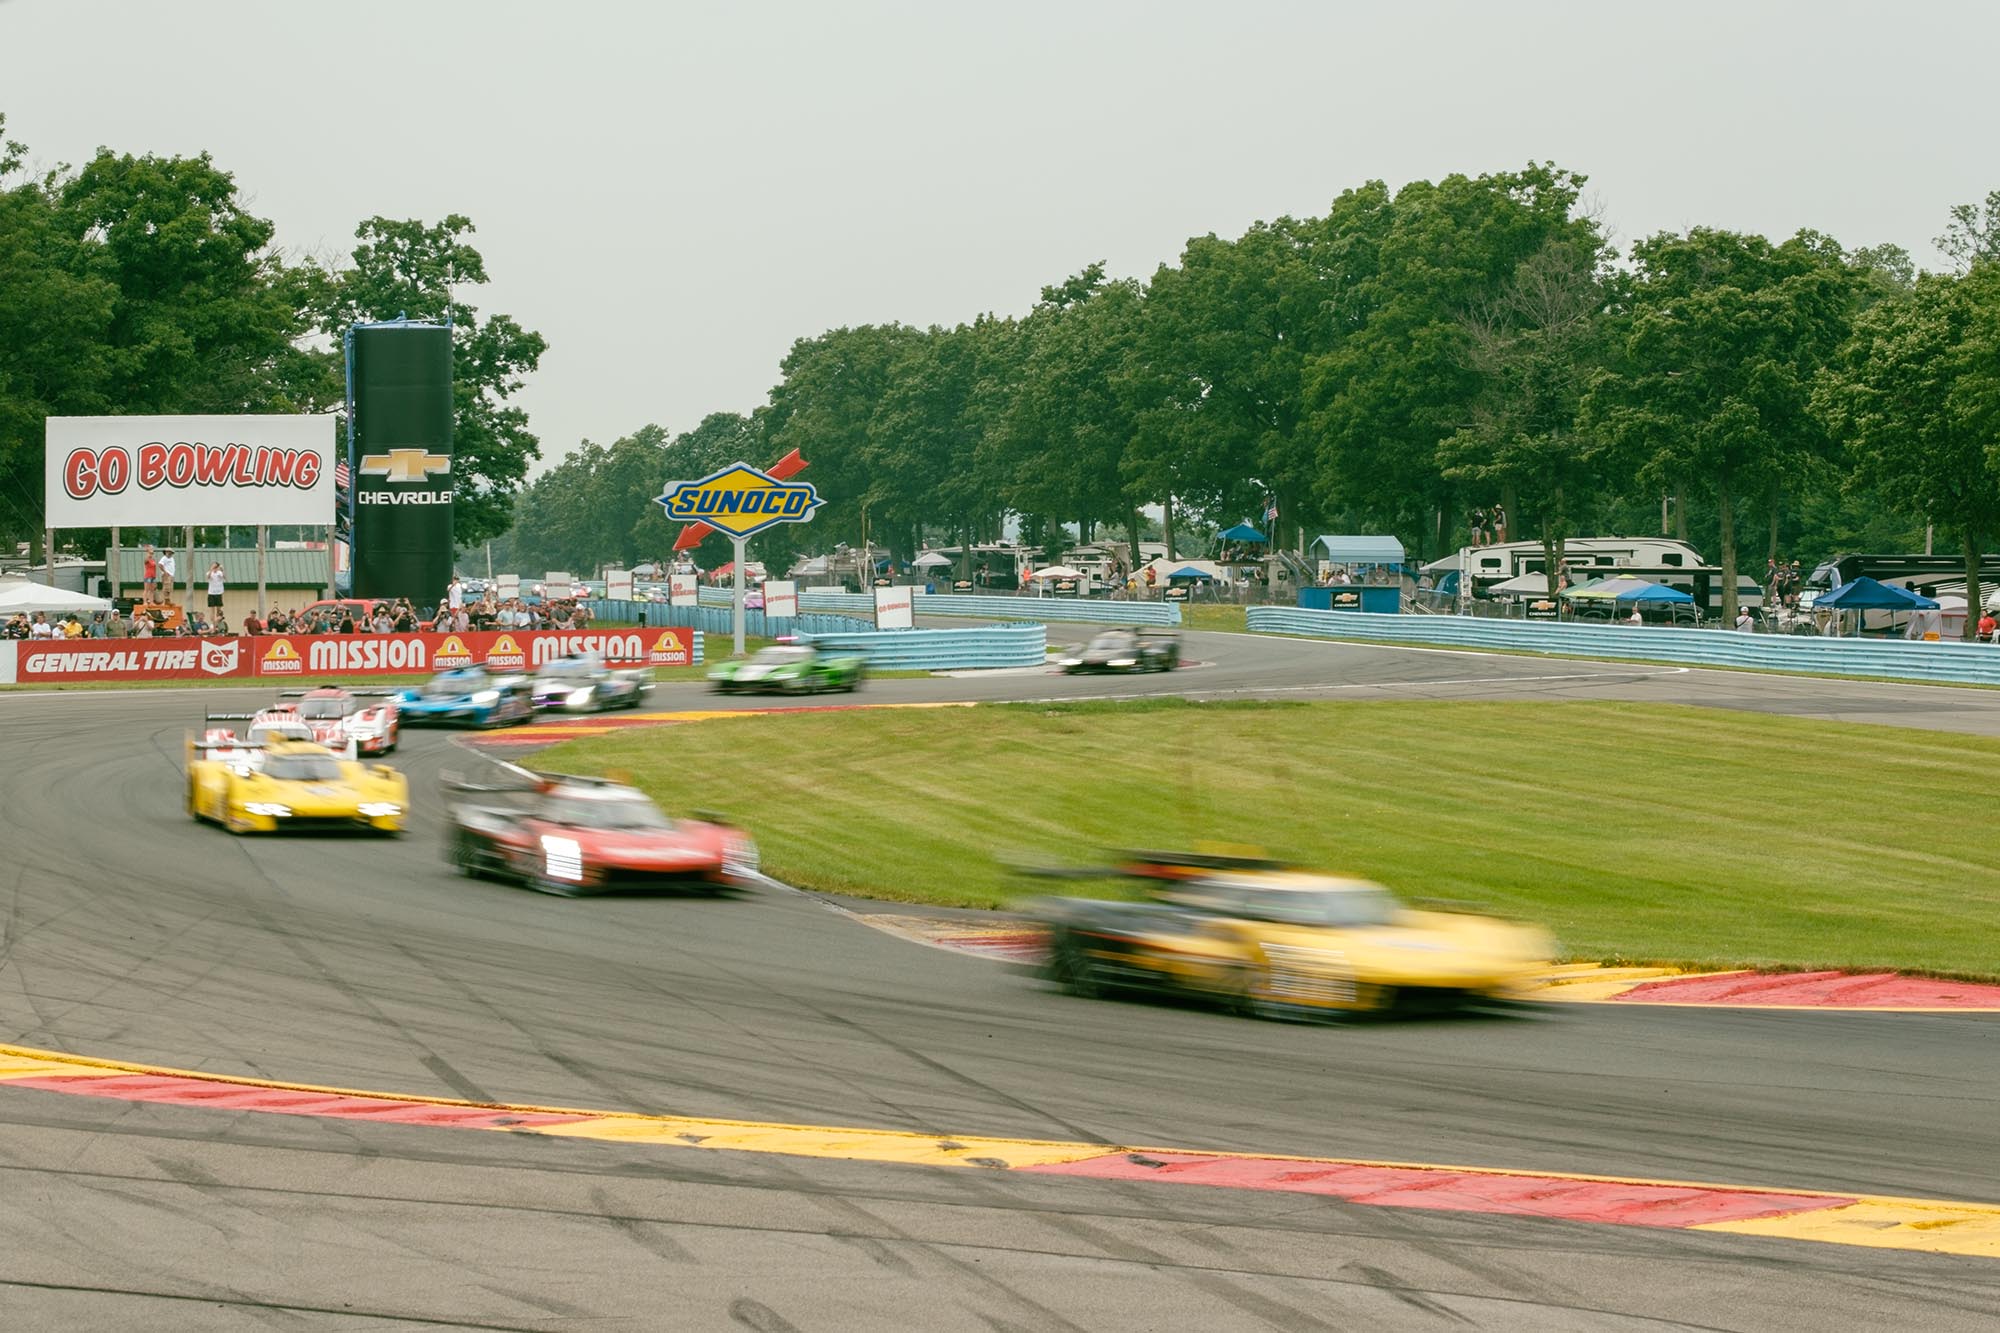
[(673, 193)]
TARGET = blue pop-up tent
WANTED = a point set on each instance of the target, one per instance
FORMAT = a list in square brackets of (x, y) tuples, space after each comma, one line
[(1865, 594), (1190, 572), (1242, 532)]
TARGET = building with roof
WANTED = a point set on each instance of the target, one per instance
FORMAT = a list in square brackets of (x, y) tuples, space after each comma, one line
[(292, 578)]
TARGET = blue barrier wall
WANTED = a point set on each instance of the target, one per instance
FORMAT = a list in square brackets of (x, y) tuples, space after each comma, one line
[(717, 620), (945, 649), (1002, 608), (1953, 663)]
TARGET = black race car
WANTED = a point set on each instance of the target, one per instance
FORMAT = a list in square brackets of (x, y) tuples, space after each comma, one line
[(1126, 650)]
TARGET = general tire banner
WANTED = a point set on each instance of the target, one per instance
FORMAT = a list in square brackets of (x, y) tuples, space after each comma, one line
[(323, 656), (138, 472)]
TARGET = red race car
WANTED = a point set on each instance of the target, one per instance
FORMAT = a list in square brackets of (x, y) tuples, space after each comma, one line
[(577, 836), (368, 718)]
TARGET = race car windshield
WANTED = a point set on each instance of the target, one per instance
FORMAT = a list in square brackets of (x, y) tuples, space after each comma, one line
[(1111, 642), (302, 767), (320, 710), (771, 655), (579, 812), (1311, 907), (569, 669), (453, 686)]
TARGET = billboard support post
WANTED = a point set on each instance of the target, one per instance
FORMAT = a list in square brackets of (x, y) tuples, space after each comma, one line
[(263, 531), (187, 544), (111, 565), (740, 544), (49, 553)]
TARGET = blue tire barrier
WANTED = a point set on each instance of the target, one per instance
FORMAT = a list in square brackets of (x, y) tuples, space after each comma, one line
[(1894, 659)]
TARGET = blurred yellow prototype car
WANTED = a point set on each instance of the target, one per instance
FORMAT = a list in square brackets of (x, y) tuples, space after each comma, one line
[(1280, 942), (265, 785)]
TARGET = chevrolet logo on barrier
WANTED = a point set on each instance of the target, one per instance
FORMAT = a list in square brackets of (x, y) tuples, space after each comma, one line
[(404, 464), (740, 500)]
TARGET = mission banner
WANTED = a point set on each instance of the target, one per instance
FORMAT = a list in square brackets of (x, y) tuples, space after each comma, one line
[(105, 472), (337, 656)]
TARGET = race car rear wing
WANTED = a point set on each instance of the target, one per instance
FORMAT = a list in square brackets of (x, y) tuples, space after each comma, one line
[(1154, 865)]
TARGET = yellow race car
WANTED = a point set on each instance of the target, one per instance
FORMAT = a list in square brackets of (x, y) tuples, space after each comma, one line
[(261, 785), (1272, 940)]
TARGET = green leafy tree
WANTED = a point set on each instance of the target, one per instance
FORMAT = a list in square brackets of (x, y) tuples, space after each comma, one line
[(1972, 235), (1396, 376), (409, 268), (1536, 346), (1721, 340), (1915, 397)]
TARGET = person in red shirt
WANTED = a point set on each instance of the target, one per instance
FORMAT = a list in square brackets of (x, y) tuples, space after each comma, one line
[(1989, 628), (152, 573)]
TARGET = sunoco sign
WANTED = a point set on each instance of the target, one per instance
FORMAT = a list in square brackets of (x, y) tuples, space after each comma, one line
[(740, 500)]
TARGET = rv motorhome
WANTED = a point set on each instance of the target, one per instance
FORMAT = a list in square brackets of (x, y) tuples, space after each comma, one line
[(1663, 560)]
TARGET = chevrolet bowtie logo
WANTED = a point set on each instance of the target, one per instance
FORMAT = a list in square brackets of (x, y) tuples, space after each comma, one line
[(404, 464)]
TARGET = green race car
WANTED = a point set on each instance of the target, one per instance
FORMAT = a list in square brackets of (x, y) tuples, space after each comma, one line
[(789, 669)]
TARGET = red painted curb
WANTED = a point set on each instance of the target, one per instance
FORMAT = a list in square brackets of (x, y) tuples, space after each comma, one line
[(179, 1090), (1883, 990), (1622, 1202)]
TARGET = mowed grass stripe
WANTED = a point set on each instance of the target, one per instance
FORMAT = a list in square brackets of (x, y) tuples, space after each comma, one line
[(1637, 832)]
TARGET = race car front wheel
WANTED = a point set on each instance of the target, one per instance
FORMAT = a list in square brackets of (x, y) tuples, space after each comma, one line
[(1072, 968)]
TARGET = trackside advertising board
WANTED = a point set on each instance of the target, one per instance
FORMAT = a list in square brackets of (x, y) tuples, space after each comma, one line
[(104, 472), (299, 656), (781, 600), (896, 608)]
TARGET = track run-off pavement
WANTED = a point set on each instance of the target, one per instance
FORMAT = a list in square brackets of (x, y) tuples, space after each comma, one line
[(129, 933)]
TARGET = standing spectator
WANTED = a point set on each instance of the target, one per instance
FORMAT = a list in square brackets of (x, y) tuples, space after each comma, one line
[(142, 625), (40, 628), (221, 625), (1743, 620), (215, 586), (454, 594), (165, 562), (114, 626), (97, 629), (406, 619), (1477, 523), (384, 623), (1989, 628), (1499, 525), (251, 625), (151, 570)]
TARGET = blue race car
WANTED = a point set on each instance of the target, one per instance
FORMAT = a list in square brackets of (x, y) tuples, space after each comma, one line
[(469, 696)]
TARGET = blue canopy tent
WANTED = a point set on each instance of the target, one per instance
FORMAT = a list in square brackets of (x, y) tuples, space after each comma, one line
[(1242, 532), (1865, 594), (1190, 572)]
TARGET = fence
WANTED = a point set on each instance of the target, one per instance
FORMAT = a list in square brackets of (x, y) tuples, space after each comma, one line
[(717, 620), (1953, 663), (945, 649), (971, 604)]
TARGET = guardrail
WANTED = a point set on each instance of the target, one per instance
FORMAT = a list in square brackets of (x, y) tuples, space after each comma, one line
[(973, 604), (945, 649), (1899, 659)]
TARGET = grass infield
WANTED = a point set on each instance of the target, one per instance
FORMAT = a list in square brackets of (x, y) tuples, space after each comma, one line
[(1637, 832)]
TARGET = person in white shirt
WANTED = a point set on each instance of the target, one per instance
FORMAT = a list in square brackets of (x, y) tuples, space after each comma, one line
[(454, 594), (1743, 620), (165, 560), (41, 628), (216, 583)]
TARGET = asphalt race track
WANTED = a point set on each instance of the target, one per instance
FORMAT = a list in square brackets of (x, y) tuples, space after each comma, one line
[(128, 932)]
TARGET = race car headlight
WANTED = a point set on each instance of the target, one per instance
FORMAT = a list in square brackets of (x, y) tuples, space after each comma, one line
[(486, 697), (267, 809), (378, 809), (1123, 661), (562, 858), (578, 698), (1071, 661)]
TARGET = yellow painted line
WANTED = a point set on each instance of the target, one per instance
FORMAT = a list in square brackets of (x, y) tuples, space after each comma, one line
[(1884, 1224), (1935, 1225)]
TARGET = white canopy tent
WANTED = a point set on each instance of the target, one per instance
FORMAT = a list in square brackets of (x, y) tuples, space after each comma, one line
[(24, 595), (931, 560)]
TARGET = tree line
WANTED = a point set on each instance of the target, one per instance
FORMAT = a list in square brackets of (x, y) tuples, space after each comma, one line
[(143, 285), (1387, 367)]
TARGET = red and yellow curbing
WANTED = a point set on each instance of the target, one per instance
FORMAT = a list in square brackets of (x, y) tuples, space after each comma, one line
[(1934, 1225)]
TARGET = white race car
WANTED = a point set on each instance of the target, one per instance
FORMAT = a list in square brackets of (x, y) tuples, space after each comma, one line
[(369, 719)]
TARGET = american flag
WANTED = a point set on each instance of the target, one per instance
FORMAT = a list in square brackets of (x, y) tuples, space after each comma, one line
[(342, 478), (1271, 512)]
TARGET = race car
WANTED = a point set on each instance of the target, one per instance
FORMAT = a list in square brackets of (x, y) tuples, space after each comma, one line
[(469, 696), (336, 716), (250, 784), (790, 669), (1269, 939), (575, 836), (239, 738), (586, 683), (1126, 650)]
